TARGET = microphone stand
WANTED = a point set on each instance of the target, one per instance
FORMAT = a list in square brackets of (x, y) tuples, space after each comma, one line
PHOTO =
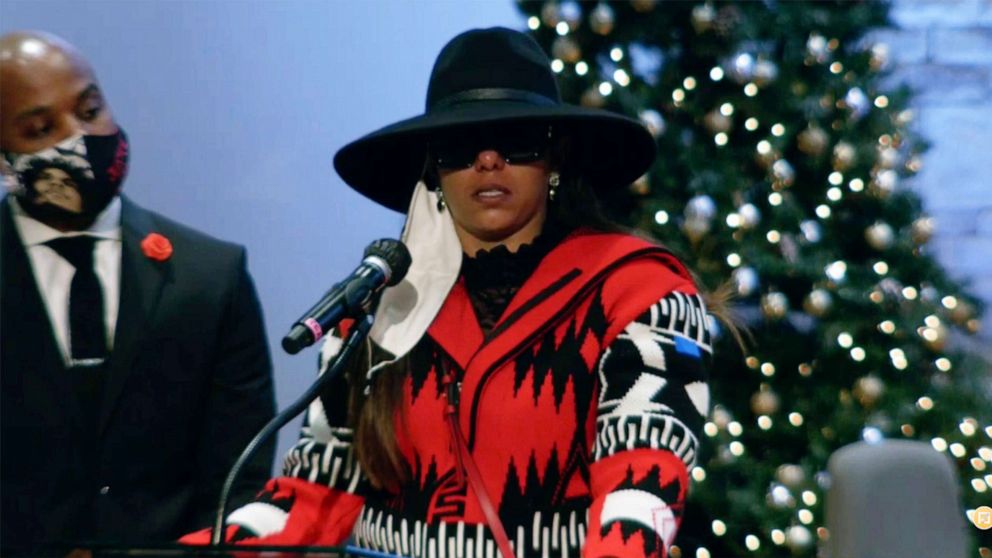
[(362, 326)]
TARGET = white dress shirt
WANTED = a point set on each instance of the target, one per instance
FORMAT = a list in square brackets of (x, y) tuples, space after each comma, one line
[(53, 274)]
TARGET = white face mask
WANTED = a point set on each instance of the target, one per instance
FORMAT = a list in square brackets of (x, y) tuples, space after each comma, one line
[(74, 179)]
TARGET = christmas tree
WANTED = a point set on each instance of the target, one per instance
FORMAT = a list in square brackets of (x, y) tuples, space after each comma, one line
[(783, 153)]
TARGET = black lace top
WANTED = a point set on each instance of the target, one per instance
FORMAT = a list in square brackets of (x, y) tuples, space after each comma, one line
[(494, 276)]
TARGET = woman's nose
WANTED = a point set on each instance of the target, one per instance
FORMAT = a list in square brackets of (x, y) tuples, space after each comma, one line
[(489, 159)]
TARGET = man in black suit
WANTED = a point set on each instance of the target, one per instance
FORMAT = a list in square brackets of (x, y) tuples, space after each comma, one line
[(134, 361)]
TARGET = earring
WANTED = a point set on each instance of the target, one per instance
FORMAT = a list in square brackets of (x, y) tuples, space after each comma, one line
[(554, 179), (440, 201)]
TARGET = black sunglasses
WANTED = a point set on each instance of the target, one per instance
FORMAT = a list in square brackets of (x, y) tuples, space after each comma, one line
[(517, 144)]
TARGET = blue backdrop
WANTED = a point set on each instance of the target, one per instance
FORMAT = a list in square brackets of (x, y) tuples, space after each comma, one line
[(235, 108)]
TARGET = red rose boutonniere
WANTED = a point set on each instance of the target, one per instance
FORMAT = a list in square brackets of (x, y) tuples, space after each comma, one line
[(156, 247)]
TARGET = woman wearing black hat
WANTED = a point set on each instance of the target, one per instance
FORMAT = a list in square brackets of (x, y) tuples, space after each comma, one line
[(536, 384)]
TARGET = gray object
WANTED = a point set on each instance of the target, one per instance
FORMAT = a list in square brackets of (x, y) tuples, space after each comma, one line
[(893, 499)]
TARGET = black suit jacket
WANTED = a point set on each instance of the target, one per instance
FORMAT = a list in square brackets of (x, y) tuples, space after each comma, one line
[(188, 385)]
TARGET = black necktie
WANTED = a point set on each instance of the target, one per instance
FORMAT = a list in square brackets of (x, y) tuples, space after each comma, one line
[(87, 334)]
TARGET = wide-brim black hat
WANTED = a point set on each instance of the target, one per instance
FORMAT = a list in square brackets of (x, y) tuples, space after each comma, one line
[(485, 76)]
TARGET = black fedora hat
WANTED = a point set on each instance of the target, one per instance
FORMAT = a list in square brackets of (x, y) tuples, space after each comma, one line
[(485, 76)]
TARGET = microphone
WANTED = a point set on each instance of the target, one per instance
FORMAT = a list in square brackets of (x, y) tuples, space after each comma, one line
[(385, 263)]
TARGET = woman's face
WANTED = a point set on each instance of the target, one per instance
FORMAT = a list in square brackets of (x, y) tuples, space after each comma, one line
[(493, 201)]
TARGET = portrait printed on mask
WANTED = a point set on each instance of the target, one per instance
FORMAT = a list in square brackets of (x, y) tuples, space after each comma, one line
[(55, 183), (60, 177)]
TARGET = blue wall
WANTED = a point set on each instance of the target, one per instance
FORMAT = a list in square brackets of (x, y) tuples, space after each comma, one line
[(235, 108)]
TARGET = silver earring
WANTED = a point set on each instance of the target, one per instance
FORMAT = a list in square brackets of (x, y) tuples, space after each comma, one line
[(440, 201), (554, 179)]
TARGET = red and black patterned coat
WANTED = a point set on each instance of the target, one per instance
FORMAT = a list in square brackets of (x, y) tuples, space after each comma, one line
[(581, 409)]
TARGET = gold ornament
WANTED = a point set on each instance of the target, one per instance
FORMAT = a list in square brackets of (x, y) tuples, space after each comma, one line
[(922, 230), (550, 13), (774, 305), (962, 312), (565, 48), (764, 402), (602, 19), (880, 236), (844, 156), (716, 122), (790, 475), (592, 98), (643, 5), (721, 417), (813, 140), (641, 186), (703, 17), (818, 302), (868, 389), (934, 337)]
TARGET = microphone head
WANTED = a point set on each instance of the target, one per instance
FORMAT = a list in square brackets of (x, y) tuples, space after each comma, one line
[(396, 256)]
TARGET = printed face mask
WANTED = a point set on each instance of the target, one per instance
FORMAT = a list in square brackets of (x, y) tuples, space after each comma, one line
[(74, 179)]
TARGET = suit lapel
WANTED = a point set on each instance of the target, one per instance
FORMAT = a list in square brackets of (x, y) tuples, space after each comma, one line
[(142, 281)]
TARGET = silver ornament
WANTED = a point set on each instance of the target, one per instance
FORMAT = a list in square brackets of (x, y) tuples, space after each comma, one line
[(765, 72), (700, 207), (879, 59), (885, 182), (653, 121), (818, 302), (780, 497), (741, 67), (783, 172), (836, 271), (750, 216), (857, 102), (571, 13), (798, 538), (889, 157), (880, 236), (774, 305), (817, 47), (811, 230), (746, 280)]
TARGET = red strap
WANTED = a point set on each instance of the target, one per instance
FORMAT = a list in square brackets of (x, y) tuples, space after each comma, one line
[(474, 477)]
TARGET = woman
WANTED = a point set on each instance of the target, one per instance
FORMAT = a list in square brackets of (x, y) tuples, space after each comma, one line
[(535, 385)]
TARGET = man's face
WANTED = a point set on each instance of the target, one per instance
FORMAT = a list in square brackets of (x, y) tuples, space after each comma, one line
[(56, 187), (48, 94)]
